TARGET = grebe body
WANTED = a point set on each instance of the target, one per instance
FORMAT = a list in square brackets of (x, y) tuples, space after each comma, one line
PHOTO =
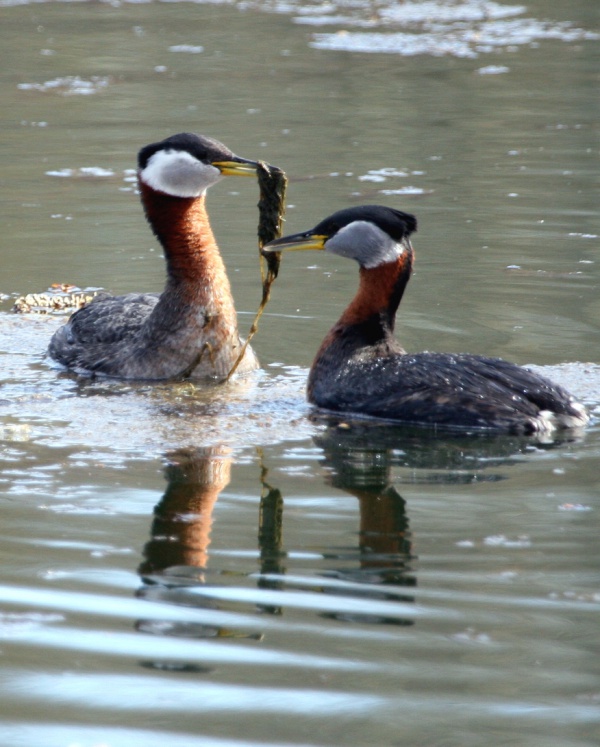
[(190, 329), (361, 368)]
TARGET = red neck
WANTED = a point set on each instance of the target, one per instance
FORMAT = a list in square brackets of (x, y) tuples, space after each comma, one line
[(181, 225), (379, 293)]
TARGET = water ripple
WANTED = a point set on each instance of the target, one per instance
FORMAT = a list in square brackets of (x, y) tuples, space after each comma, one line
[(21, 734)]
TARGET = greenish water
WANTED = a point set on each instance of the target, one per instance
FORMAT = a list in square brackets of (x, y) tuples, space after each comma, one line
[(214, 567)]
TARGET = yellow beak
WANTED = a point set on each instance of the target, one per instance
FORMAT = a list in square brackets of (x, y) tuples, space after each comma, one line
[(236, 168)]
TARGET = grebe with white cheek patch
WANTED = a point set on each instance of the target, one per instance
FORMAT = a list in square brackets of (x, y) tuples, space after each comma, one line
[(361, 368), (190, 330)]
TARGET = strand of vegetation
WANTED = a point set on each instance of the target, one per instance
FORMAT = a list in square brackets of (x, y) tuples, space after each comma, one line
[(271, 207)]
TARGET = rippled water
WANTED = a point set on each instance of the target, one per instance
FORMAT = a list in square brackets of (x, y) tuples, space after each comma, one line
[(217, 567)]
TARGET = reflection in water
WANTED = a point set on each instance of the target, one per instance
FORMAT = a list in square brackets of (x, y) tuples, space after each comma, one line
[(270, 540), (183, 518), (176, 557), (359, 459), (364, 471), (360, 456), (384, 550), (430, 457), (177, 554)]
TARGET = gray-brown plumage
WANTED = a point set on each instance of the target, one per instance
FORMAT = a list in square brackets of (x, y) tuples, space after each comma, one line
[(190, 329)]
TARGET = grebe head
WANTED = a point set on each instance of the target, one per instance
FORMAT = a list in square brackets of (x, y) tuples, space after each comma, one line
[(373, 235), (186, 165)]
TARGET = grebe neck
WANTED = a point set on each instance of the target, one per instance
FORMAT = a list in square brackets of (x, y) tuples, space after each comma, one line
[(182, 226), (379, 294), (365, 331)]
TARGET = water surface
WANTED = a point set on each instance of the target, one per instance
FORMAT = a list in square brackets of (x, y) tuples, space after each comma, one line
[(216, 567)]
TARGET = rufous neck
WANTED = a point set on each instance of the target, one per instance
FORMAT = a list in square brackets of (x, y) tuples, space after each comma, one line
[(183, 229), (379, 293)]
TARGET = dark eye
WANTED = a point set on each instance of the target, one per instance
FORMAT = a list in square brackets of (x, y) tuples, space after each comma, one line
[(201, 154), (331, 228)]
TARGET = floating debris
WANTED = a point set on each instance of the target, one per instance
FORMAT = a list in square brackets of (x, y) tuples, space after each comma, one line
[(60, 298)]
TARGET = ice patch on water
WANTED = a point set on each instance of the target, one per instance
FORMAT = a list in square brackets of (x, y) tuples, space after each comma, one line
[(407, 45), (405, 14), (499, 540), (71, 85), (440, 12), (409, 190), (325, 20), (186, 48), (382, 175), (433, 27), (84, 171), (438, 29), (493, 70), (456, 42)]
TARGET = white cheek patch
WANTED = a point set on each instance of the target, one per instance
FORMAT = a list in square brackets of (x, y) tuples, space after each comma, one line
[(366, 243), (179, 174)]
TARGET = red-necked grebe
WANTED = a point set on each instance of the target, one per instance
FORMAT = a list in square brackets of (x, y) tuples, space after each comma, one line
[(190, 330), (361, 368)]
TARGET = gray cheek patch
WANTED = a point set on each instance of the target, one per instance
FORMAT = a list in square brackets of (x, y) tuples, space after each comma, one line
[(182, 177), (366, 243)]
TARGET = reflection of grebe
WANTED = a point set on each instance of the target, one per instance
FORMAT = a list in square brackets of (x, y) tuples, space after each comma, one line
[(176, 557), (183, 518), (191, 328), (360, 367), (358, 466)]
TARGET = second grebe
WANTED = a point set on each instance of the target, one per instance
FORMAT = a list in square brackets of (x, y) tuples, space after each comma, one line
[(190, 330), (361, 368)]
